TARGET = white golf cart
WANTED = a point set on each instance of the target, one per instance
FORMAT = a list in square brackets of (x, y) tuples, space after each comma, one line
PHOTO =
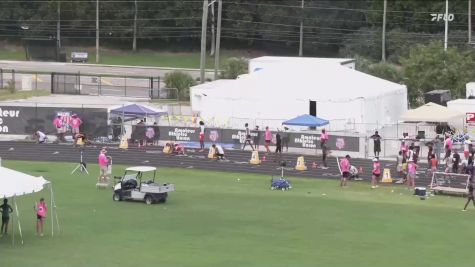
[(138, 183)]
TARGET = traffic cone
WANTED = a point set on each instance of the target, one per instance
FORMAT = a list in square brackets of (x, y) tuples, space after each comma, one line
[(387, 176), (80, 141), (255, 158), (124, 143), (212, 153), (300, 164), (314, 165)]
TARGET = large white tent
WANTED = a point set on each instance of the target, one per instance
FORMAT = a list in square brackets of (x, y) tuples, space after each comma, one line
[(282, 91), (14, 184), (432, 112)]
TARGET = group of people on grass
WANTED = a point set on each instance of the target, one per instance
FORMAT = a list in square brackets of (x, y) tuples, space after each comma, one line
[(40, 209)]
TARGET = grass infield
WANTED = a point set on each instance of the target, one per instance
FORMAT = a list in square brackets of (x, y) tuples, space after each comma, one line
[(214, 219)]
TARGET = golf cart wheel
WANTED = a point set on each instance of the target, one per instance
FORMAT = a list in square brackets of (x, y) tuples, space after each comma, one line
[(148, 200), (116, 197), (162, 198)]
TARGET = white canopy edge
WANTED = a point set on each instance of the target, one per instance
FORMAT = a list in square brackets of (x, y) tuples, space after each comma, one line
[(15, 183)]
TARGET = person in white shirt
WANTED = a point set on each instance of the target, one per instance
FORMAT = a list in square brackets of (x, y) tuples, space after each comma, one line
[(219, 151), (40, 136)]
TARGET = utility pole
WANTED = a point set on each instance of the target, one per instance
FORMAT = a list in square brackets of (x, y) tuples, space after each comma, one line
[(218, 40), (469, 21), (204, 22), (446, 40), (301, 30), (97, 31), (134, 42), (58, 25), (213, 36), (383, 44)]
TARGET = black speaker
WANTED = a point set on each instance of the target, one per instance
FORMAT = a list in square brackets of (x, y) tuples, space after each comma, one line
[(313, 108)]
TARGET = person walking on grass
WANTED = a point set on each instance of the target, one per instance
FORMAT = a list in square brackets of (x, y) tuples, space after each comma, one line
[(411, 174), (6, 210), (248, 137), (345, 170), (376, 173), (268, 138), (470, 196), (41, 211)]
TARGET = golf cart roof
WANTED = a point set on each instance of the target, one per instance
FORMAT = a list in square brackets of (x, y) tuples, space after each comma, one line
[(141, 169)]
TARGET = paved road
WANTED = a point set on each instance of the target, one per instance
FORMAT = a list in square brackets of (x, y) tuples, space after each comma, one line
[(33, 66), (238, 161)]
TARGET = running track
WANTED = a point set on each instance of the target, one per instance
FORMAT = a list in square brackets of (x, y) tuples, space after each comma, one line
[(237, 161)]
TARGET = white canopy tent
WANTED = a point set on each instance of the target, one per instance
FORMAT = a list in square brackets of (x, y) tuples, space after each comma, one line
[(14, 184), (281, 91), (432, 112)]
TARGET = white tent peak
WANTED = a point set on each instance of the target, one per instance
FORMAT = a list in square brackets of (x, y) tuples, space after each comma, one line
[(431, 112)]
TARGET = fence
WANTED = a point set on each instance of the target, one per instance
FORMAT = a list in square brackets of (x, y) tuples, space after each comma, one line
[(85, 84)]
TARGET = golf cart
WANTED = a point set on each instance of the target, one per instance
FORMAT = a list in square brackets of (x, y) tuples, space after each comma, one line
[(138, 183)]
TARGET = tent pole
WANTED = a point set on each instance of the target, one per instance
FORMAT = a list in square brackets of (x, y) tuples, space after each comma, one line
[(18, 220), (13, 224), (52, 209), (58, 229)]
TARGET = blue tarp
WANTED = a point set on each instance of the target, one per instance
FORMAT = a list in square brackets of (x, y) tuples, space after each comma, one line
[(306, 120), (136, 110)]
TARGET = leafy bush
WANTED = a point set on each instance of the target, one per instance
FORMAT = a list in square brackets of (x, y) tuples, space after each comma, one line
[(233, 67), (180, 81)]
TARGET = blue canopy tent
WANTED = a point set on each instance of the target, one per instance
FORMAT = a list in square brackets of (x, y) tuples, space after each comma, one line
[(306, 120), (136, 111)]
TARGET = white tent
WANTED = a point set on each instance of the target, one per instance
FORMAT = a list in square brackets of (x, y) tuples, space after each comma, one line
[(281, 91), (432, 112), (14, 183)]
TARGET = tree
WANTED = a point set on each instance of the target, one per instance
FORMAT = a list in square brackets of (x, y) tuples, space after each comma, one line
[(180, 81), (428, 67), (233, 67)]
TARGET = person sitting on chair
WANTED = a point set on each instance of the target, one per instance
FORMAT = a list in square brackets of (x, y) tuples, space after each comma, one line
[(218, 151), (40, 137)]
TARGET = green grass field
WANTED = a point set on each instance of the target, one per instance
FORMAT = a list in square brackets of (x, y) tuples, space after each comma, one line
[(215, 220), (141, 58)]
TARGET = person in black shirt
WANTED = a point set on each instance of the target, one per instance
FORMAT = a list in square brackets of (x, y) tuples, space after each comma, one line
[(278, 148), (6, 210), (469, 195), (377, 143), (455, 167), (248, 137)]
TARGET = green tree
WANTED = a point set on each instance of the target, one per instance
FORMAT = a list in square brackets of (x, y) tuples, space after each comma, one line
[(180, 81), (428, 67), (233, 67)]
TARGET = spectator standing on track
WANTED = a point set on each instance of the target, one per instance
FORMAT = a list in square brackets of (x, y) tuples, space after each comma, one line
[(456, 160), (376, 173), (411, 174), (470, 196), (58, 124), (345, 170), (268, 138), (75, 124), (324, 156), (377, 143), (404, 150), (437, 146), (286, 139), (248, 137), (323, 138), (257, 137), (278, 148), (448, 146), (6, 210), (466, 148), (202, 136)]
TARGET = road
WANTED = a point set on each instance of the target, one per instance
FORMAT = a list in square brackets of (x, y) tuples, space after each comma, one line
[(34, 66), (237, 161)]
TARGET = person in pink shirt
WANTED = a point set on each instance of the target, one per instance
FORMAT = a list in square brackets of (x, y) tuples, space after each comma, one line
[(103, 164), (268, 138), (75, 123), (448, 145), (58, 124), (323, 138), (345, 170), (41, 211), (411, 174), (376, 173)]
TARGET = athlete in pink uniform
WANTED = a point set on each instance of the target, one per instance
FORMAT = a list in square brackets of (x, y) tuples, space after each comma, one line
[(41, 211), (345, 169)]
